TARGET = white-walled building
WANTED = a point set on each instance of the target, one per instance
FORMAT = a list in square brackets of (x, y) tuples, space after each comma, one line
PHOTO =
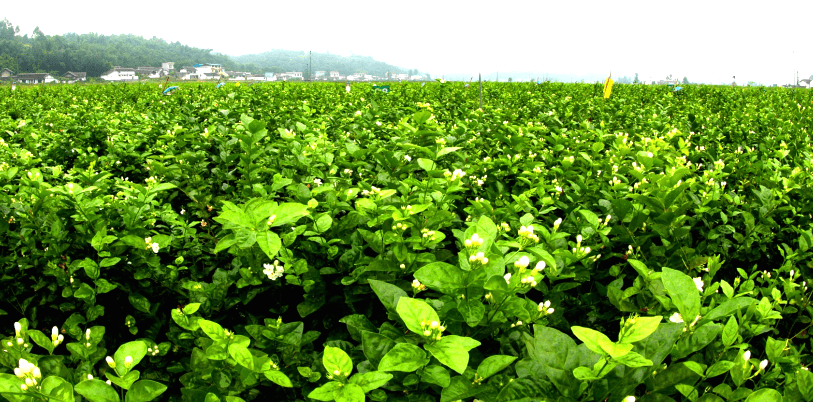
[(334, 74), (119, 74), (35, 78)]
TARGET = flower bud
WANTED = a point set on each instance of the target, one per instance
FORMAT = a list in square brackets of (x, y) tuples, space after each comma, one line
[(29, 382), (629, 399), (87, 334), (427, 332), (23, 387), (17, 328), (747, 355), (54, 333), (110, 362), (36, 373), (90, 376), (18, 372), (128, 361), (434, 324), (763, 364)]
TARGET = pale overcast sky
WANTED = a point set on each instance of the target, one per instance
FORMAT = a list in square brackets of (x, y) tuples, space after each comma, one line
[(706, 41)]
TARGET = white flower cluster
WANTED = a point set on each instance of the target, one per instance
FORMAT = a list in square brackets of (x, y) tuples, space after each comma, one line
[(545, 308), (480, 257), (29, 373), (400, 226), (428, 234), (408, 158), (505, 227), (418, 286), (275, 271), (271, 220), (408, 209), (56, 337), (153, 351), (432, 330), (579, 250), (457, 174), (527, 233), (474, 242), (150, 245)]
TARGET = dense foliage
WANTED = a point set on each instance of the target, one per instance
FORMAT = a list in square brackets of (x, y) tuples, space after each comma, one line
[(95, 54), (297, 242)]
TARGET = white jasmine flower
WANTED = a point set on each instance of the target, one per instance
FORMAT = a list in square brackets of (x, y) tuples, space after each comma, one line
[(523, 262), (699, 283), (676, 318)]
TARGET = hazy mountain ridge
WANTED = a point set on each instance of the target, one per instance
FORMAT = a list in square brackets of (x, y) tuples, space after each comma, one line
[(94, 54), (279, 61)]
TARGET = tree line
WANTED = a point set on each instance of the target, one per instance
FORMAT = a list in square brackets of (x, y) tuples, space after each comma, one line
[(94, 54)]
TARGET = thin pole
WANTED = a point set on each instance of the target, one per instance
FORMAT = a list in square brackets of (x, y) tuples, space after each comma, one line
[(480, 78)]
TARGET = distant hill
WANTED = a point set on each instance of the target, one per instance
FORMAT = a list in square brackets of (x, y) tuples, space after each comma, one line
[(280, 61), (94, 54)]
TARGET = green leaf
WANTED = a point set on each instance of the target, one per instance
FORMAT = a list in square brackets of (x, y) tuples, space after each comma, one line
[(241, 355), (389, 294), (494, 364), (287, 213), (123, 382), (427, 164), (370, 380), (349, 393), (675, 374), (730, 331), (804, 381), (210, 397), (403, 357), (435, 375), (213, 330), (40, 339), (191, 308), (642, 328), (415, 311), (269, 243), (140, 302), (109, 262), (600, 343), (446, 150), (144, 391), (375, 346), (135, 349), (701, 337), (633, 360), (10, 383), (336, 359), (725, 309), (325, 392), (453, 351), (683, 292), (765, 395), (721, 367), (57, 388), (96, 391), (279, 378), (323, 223), (443, 277)]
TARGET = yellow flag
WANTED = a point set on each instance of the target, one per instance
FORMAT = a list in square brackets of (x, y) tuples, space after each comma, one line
[(608, 87)]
